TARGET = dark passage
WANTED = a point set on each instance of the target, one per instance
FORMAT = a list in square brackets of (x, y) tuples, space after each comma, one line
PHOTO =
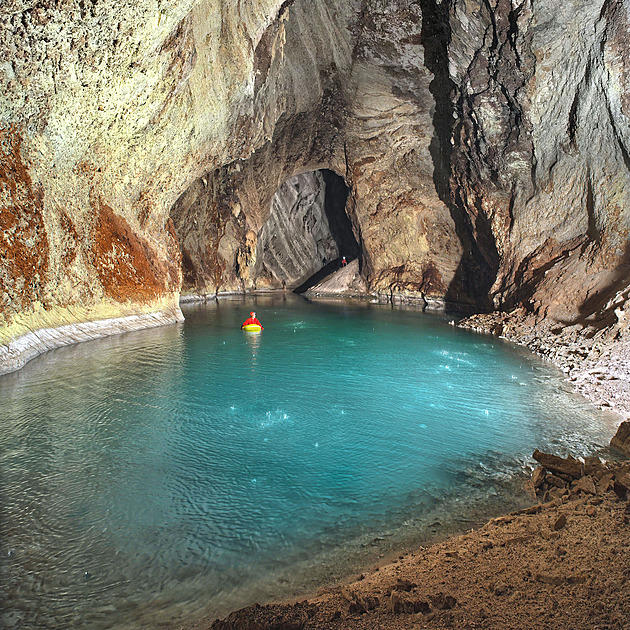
[(335, 199)]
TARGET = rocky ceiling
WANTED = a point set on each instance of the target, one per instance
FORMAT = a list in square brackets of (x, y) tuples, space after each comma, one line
[(485, 145)]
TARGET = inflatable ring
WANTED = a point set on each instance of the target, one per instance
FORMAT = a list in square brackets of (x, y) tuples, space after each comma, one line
[(252, 328)]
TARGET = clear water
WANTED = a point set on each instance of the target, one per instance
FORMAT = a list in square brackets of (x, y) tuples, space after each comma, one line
[(185, 471)]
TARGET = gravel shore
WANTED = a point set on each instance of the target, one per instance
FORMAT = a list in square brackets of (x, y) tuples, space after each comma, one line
[(559, 564)]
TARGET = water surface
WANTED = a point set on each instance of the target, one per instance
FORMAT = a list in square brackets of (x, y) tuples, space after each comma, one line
[(188, 470)]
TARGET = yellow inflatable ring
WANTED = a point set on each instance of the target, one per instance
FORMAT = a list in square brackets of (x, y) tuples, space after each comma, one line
[(252, 328)]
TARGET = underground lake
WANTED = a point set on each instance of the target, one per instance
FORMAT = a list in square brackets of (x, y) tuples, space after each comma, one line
[(188, 470)]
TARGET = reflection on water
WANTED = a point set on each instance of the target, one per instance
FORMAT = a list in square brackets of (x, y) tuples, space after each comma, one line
[(187, 470), (253, 339)]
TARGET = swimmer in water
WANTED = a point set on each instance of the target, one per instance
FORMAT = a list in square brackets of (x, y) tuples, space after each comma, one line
[(252, 320)]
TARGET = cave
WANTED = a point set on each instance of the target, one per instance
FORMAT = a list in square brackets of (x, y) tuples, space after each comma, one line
[(471, 164), (291, 237), (460, 154), (307, 233)]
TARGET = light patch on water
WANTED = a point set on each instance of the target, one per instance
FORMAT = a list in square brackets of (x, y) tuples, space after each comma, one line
[(273, 418)]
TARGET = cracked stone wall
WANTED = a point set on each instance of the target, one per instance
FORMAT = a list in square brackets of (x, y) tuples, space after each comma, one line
[(295, 242), (539, 166)]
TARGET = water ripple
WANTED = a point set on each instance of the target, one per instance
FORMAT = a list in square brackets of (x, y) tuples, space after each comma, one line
[(189, 470)]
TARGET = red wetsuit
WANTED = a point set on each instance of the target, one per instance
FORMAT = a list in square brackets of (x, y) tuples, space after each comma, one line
[(252, 320)]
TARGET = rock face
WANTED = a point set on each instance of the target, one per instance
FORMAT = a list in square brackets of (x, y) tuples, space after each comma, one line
[(621, 440), (539, 159), (484, 145), (295, 242), (345, 281)]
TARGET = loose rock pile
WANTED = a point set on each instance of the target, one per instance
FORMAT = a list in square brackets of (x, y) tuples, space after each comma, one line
[(558, 477)]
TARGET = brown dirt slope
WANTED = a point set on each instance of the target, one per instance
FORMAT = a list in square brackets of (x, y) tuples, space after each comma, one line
[(559, 564)]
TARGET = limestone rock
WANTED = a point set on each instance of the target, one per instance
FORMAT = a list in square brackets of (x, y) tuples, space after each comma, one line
[(538, 476), (295, 242), (344, 281), (585, 485)]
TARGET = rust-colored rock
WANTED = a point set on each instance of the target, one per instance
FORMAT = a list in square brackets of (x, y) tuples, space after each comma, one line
[(621, 439), (24, 250), (125, 263), (258, 617), (559, 465)]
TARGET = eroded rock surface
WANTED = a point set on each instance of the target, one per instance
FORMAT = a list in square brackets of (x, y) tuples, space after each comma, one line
[(344, 281), (484, 145)]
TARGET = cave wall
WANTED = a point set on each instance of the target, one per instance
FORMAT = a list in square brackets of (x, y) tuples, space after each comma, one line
[(485, 146), (539, 166), (295, 242), (363, 108)]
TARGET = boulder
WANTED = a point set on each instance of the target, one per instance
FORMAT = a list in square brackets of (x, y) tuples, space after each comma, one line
[(560, 522), (621, 440), (559, 465), (585, 485), (553, 480), (621, 485), (402, 602), (592, 465), (605, 483), (538, 476)]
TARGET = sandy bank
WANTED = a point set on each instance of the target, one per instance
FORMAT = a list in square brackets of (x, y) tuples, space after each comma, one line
[(559, 564)]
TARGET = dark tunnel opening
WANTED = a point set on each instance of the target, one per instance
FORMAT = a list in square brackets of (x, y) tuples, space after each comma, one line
[(341, 230)]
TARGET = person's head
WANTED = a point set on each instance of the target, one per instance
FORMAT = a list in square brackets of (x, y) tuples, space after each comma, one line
[(252, 314)]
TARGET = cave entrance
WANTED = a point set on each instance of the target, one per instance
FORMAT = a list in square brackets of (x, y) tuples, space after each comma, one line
[(308, 231)]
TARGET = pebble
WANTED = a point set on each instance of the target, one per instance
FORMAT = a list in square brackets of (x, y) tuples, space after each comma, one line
[(560, 522)]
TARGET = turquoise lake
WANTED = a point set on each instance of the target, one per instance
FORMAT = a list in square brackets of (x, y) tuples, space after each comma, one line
[(185, 471)]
